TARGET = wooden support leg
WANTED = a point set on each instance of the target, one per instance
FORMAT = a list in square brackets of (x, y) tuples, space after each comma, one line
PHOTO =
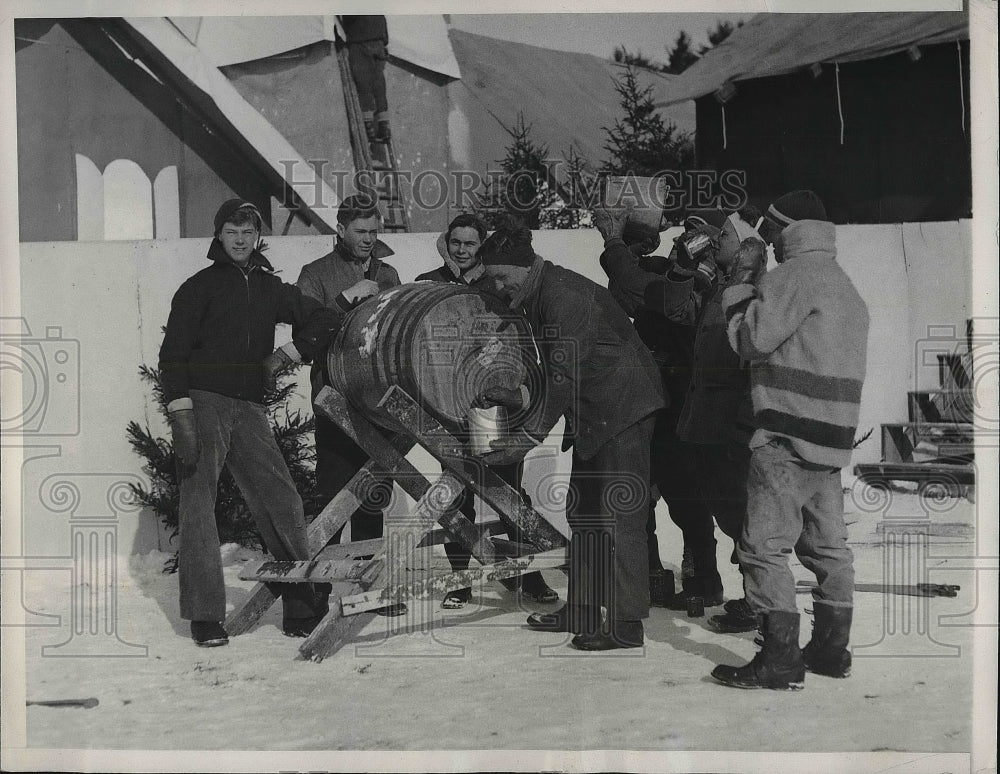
[(335, 630), (487, 484)]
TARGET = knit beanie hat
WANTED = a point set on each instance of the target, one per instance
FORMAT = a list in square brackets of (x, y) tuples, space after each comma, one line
[(696, 218), (509, 245), (797, 205), (228, 210)]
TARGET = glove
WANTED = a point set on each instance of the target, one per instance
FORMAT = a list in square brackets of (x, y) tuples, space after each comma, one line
[(184, 432), (610, 221), (510, 449), (359, 290), (273, 365), (750, 261), (512, 400)]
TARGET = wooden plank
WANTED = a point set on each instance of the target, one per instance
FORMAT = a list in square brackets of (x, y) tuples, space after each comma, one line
[(335, 629), (389, 457), (306, 571), (441, 584), (319, 531), (486, 483)]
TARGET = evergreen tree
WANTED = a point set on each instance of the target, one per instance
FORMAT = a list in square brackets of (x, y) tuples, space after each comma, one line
[(641, 143), (723, 30), (623, 56), (233, 519), (681, 57)]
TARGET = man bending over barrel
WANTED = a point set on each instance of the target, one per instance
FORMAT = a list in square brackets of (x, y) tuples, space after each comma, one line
[(459, 248), (602, 379)]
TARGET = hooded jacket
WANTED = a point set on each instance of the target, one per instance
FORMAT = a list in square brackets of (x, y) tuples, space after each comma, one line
[(804, 329), (221, 326)]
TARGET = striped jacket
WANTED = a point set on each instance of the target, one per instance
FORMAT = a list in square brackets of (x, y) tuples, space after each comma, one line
[(804, 329)]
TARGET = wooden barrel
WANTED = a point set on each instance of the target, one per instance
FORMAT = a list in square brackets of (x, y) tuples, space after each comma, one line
[(442, 343)]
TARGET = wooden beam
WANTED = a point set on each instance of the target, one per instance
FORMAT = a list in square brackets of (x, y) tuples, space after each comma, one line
[(441, 584), (310, 571), (508, 504)]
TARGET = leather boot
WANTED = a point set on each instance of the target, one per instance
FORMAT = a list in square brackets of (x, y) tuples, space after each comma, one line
[(827, 653), (778, 664), (578, 619)]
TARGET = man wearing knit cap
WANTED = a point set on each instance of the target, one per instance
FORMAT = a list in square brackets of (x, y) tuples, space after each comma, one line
[(216, 364), (804, 329), (458, 247), (602, 379)]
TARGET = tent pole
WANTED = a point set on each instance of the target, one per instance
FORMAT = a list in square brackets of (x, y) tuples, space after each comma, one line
[(961, 83), (840, 107)]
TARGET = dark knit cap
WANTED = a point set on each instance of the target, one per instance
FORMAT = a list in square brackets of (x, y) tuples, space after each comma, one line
[(797, 205), (229, 209), (509, 245), (695, 218)]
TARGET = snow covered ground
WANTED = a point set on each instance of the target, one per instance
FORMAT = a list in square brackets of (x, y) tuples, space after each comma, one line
[(478, 679)]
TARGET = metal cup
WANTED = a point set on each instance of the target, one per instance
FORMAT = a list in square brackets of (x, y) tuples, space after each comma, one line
[(485, 425)]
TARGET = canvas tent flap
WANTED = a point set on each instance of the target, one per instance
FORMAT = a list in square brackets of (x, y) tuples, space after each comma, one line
[(423, 41), (777, 44), (272, 147), (229, 40)]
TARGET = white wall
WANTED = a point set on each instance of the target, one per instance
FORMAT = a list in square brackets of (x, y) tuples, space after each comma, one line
[(113, 298)]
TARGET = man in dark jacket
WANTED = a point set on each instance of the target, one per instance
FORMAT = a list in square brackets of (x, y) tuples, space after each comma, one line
[(367, 51), (339, 280), (601, 378), (459, 247), (715, 421), (673, 460), (216, 363)]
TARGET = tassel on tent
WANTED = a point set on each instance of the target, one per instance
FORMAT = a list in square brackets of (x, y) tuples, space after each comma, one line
[(840, 107), (961, 83), (723, 126)]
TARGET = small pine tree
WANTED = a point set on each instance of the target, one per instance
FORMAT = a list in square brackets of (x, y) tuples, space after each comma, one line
[(624, 56), (723, 30), (232, 516), (681, 57), (641, 143)]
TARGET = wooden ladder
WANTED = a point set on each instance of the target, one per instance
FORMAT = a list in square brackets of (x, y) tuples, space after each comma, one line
[(377, 160)]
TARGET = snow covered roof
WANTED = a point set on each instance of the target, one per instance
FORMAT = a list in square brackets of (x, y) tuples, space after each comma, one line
[(776, 44), (227, 40), (216, 92)]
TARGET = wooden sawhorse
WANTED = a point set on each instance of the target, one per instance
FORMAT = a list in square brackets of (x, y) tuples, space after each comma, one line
[(368, 566)]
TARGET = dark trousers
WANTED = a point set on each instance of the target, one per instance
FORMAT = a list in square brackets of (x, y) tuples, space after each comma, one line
[(675, 473), (338, 458), (722, 476), (237, 434), (368, 67), (607, 512)]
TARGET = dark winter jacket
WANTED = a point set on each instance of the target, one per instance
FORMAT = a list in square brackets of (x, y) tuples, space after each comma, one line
[(598, 373), (477, 278), (716, 408), (221, 326), (363, 29)]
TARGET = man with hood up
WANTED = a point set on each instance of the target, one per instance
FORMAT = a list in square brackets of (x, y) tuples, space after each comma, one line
[(804, 328), (216, 364)]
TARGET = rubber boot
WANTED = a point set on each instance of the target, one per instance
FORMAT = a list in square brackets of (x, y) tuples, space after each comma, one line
[(827, 653), (778, 664)]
